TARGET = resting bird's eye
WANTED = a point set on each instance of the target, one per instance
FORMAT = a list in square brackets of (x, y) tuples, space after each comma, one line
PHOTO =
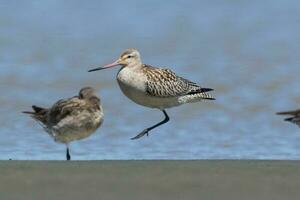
[(129, 56)]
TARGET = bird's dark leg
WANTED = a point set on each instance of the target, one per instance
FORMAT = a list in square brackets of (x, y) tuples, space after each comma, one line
[(68, 153), (146, 131)]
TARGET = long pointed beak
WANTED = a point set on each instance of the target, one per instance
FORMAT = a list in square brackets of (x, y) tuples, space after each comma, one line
[(116, 63)]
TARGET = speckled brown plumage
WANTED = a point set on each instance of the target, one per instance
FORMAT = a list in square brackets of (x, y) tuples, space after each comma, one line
[(165, 83)]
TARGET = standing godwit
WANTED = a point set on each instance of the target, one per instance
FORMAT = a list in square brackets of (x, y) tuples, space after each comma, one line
[(71, 119), (154, 87), (295, 116)]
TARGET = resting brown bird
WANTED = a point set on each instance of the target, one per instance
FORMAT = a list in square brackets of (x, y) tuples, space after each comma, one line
[(72, 118)]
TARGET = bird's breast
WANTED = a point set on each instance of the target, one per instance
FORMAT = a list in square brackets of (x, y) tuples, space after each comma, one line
[(133, 85), (130, 80)]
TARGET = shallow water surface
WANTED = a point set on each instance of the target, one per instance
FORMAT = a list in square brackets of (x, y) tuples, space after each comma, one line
[(248, 51)]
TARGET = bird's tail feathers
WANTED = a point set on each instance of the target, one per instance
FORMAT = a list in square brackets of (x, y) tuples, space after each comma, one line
[(202, 93), (206, 96), (38, 113)]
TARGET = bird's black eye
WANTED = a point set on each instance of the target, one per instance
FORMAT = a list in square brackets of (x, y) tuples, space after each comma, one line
[(129, 56)]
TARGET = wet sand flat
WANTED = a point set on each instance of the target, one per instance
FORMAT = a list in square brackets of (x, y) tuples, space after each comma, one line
[(199, 179)]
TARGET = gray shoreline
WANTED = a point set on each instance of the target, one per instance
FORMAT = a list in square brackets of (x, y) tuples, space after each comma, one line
[(150, 179)]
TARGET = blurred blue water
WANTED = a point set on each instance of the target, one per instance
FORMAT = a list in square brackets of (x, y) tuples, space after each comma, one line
[(247, 50)]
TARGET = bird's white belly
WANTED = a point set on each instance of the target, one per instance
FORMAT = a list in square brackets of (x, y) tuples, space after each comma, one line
[(133, 85)]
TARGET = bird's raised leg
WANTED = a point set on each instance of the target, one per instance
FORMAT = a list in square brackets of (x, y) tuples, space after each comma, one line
[(146, 131)]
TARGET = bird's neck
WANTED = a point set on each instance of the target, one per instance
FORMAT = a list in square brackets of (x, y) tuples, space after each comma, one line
[(94, 100), (134, 66)]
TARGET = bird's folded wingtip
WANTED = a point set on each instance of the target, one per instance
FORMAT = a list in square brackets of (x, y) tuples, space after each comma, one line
[(289, 119), (210, 98), (27, 112), (206, 89)]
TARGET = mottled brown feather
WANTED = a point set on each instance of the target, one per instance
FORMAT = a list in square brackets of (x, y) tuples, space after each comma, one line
[(64, 108), (165, 83), (69, 107)]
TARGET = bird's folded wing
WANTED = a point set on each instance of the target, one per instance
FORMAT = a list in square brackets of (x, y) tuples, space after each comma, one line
[(165, 83), (65, 108)]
